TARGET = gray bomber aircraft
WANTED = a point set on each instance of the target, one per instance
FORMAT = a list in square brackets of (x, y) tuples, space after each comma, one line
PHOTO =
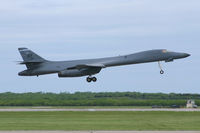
[(37, 65)]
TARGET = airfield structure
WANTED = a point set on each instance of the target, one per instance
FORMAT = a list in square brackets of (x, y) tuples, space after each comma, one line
[(191, 104)]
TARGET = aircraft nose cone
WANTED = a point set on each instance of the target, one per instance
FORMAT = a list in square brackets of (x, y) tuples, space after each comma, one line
[(181, 55), (186, 55)]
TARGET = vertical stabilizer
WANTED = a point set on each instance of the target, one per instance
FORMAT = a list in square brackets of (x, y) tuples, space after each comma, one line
[(30, 58)]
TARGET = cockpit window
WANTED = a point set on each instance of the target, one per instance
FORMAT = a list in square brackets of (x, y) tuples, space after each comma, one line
[(165, 51)]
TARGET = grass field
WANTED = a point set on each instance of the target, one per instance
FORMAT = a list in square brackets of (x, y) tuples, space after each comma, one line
[(75, 107), (99, 120), (78, 107)]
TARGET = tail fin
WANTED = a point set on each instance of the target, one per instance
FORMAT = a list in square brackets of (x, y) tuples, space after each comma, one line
[(30, 58)]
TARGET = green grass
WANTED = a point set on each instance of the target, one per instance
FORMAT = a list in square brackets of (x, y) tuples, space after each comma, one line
[(99, 120), (75, 107)]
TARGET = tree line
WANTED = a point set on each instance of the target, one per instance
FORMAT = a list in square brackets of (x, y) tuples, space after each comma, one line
[(96, 99)]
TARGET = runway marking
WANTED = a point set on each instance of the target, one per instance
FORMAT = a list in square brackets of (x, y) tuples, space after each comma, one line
[(99, 131), (95, 110)]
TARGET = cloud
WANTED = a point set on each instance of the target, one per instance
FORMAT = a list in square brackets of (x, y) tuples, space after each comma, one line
[(90, 18)]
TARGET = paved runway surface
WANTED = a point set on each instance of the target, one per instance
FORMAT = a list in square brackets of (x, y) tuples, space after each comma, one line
[(48, 110), (99, 131)]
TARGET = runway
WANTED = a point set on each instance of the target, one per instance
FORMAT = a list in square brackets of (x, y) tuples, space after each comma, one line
[(92, 110), (99, 131)]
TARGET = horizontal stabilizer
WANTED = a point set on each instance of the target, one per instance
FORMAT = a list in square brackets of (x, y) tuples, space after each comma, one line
[(31, 62)]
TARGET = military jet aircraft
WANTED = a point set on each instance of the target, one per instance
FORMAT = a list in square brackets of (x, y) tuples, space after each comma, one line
[(37, 65)]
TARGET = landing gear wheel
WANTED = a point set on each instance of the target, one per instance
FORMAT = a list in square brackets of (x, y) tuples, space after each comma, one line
[(162, 72), (89, 79), (94, 79)]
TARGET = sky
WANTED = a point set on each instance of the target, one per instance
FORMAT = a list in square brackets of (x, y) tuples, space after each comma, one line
[(79, 29)]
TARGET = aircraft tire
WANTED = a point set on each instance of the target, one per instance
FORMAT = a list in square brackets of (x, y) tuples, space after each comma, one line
[(162, 72), (94, 79), (89, 79)]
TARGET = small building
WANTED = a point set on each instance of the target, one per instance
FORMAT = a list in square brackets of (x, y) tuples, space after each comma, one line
[(191, 104)]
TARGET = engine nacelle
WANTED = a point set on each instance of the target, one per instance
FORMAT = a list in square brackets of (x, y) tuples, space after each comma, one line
[(79, 73)]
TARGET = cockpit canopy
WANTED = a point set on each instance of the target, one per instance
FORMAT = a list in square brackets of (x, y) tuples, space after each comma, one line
[(166, 51)]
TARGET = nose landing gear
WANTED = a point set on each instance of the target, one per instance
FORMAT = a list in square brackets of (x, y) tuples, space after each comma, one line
[(161, 70), (90, 79)]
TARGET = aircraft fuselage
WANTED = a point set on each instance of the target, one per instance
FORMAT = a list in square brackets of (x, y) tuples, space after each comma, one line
[(95, 65)]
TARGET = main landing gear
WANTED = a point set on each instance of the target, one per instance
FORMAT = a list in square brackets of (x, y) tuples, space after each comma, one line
[(161, 70), (90, 79)]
